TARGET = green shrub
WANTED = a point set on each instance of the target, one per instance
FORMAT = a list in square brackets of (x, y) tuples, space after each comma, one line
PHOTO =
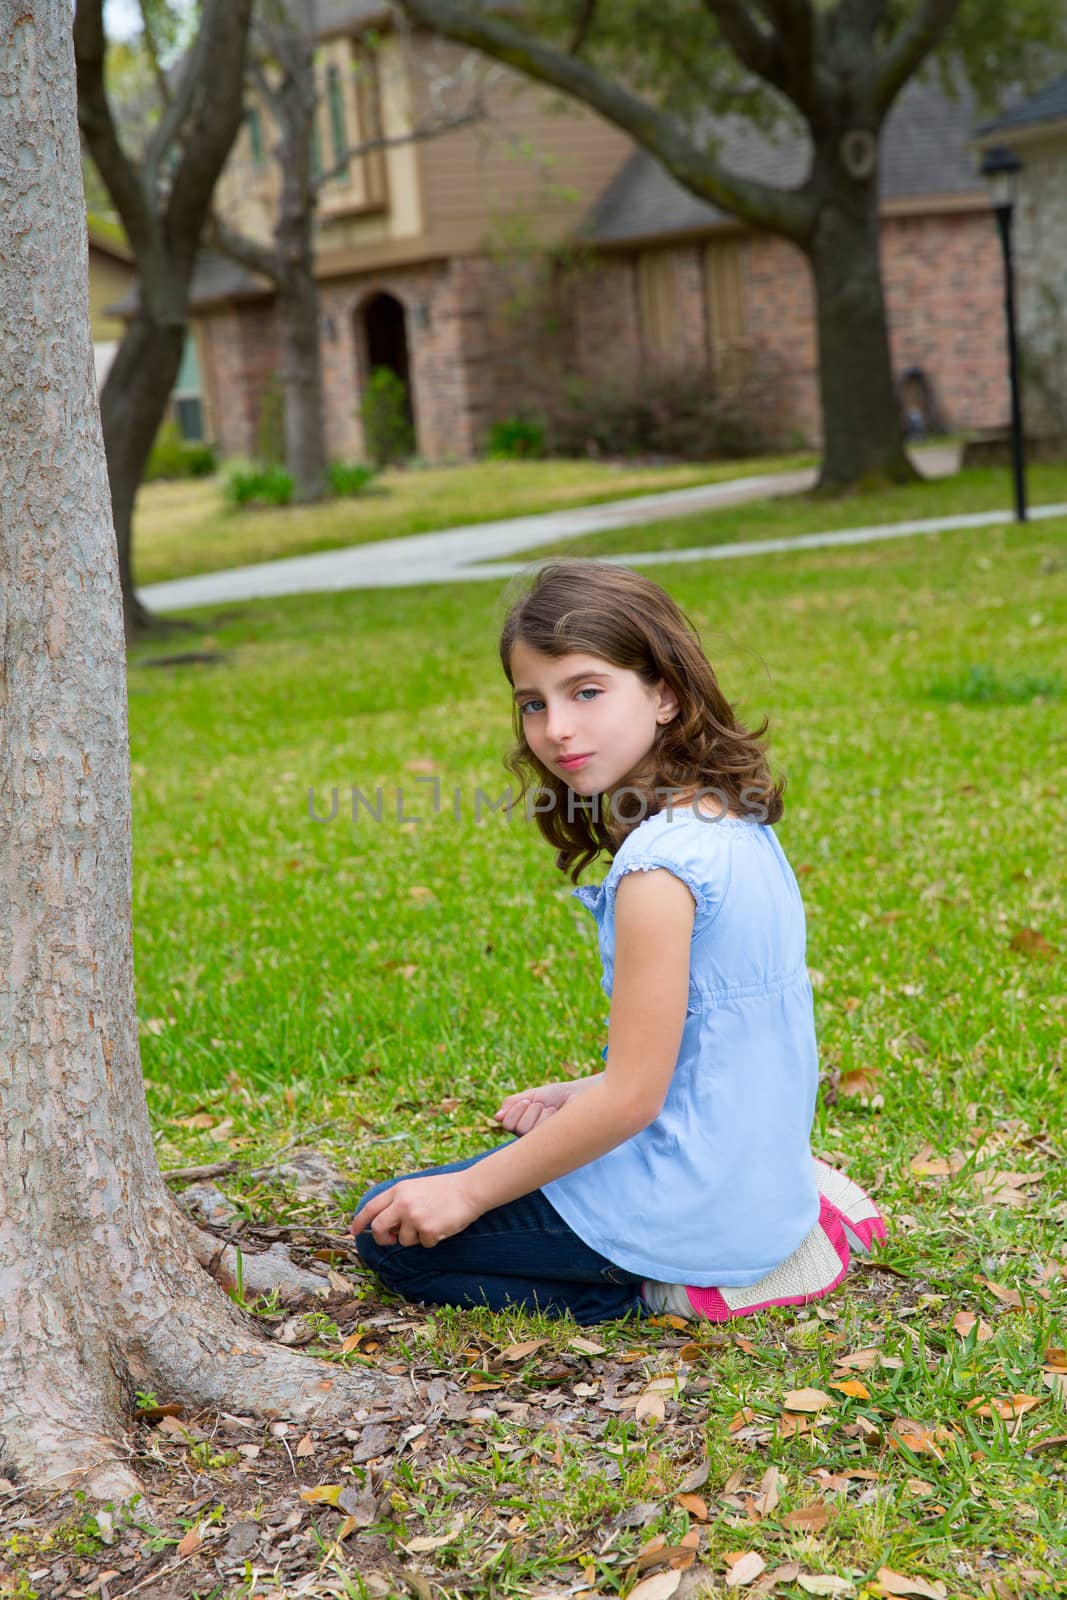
[(348, 477), (649, 413), (388, 432), (175, 457), (258, 483), (516, 439), (270, 425)]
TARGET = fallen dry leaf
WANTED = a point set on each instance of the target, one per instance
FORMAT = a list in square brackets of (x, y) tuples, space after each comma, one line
[(809, 1519), (744, 1567), (190, 1542), (519, 1352), (1006, 1407), (964, 1321), (695, 1504), (306, 1447), (927, 1164), (807, 1400), (854, 1388), (651, 1408), (824, 1583), (1031, 942), (587, 1347), (1006, 1296), (695, 1479), (767, 1499), (917, 1437), (896, 1584), (740, 1419), (1056, 1381), (1055, 1359), (660, 1586), (436, 1541), (859, 1360), (325, 1495), (859, 1085)]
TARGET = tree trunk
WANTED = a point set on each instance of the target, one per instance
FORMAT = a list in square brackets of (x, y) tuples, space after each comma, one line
[(863, 429), (100, 1289), (300, 374), (132, 406), (298, 296)]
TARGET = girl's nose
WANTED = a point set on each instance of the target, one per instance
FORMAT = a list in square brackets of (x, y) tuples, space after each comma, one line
[(557, 722)]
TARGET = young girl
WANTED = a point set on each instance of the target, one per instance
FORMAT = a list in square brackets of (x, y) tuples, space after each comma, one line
[(680, 1178)]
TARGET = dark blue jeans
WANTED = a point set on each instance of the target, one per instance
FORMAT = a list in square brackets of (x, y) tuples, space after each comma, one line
[(520, 1254)]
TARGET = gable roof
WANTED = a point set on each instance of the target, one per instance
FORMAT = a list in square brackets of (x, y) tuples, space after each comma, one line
[(924, 153), (1048, 105)]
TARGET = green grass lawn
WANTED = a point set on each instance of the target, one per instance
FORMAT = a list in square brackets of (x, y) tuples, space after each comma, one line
[(181, 528), (374, 989), (978, 489)]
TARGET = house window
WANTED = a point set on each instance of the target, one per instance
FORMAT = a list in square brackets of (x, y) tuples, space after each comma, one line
[(255, 137), (188, 410), (338, 131), (726, 308), (658, 305)]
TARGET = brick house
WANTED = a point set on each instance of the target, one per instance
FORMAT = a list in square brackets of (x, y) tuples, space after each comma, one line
[(413, 274), (1036, 131)]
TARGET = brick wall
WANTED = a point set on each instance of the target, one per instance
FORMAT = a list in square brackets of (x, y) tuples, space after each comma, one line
[(943, 290), (239, 352)]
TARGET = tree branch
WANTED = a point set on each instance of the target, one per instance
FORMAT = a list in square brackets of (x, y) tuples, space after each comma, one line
[(922, 33), (217, 112), (786, 211), (427, 130), (153, 54), (247, 252), (181, 102), (758, 49), (98, 128)]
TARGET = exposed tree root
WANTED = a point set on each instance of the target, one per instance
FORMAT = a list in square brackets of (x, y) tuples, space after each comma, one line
[(257, 1274)]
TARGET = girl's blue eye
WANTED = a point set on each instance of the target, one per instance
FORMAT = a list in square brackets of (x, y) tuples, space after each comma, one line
[(526, 704)]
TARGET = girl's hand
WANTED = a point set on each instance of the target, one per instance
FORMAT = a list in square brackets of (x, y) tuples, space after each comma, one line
[(521, 1112), (419, 1211)]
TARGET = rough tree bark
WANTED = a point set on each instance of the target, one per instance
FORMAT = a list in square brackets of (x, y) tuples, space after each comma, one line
[(841, 67), (100, 1287), (163, 205)]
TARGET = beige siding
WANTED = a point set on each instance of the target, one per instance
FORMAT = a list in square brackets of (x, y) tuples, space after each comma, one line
[(528, 173), (108, 281)]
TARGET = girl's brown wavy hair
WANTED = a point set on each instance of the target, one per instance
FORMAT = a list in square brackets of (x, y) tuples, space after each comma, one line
[(614, 613)]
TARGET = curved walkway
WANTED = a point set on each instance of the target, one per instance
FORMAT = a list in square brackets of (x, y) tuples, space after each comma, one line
[(462, 555)]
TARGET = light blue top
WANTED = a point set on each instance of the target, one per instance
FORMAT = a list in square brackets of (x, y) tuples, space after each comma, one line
[(720, 1188)]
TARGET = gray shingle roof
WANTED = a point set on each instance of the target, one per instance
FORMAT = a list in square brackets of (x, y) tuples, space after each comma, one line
[(1048, 105), (215, 277), (925, 152), (344, 16)]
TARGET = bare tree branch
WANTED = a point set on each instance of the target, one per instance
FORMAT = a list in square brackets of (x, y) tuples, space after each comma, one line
[(181, 102), (758, 49), (584, 22), (427, 130), (153, 53), (247, 252), (101, 135), (922, 33), (224, 28), (786, 211)]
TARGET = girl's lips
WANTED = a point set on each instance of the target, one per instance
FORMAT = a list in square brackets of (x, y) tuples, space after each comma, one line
[(571, 762)]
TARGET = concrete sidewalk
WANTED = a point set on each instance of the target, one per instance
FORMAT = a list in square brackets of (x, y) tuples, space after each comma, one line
[(461, 555)]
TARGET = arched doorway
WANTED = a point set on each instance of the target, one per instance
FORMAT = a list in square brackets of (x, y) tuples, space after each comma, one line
[(385, 342)]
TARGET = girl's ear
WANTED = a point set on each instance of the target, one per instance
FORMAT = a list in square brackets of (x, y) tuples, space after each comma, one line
[(668, 702)]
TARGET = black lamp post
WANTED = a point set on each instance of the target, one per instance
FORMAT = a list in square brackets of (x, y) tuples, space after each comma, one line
[(1000, 168)]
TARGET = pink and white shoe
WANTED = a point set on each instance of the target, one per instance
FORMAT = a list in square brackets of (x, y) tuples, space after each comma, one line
[(847, 1217), (862, 1221)]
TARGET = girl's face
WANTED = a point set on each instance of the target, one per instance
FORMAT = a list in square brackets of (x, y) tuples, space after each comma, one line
[(580, 705)]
